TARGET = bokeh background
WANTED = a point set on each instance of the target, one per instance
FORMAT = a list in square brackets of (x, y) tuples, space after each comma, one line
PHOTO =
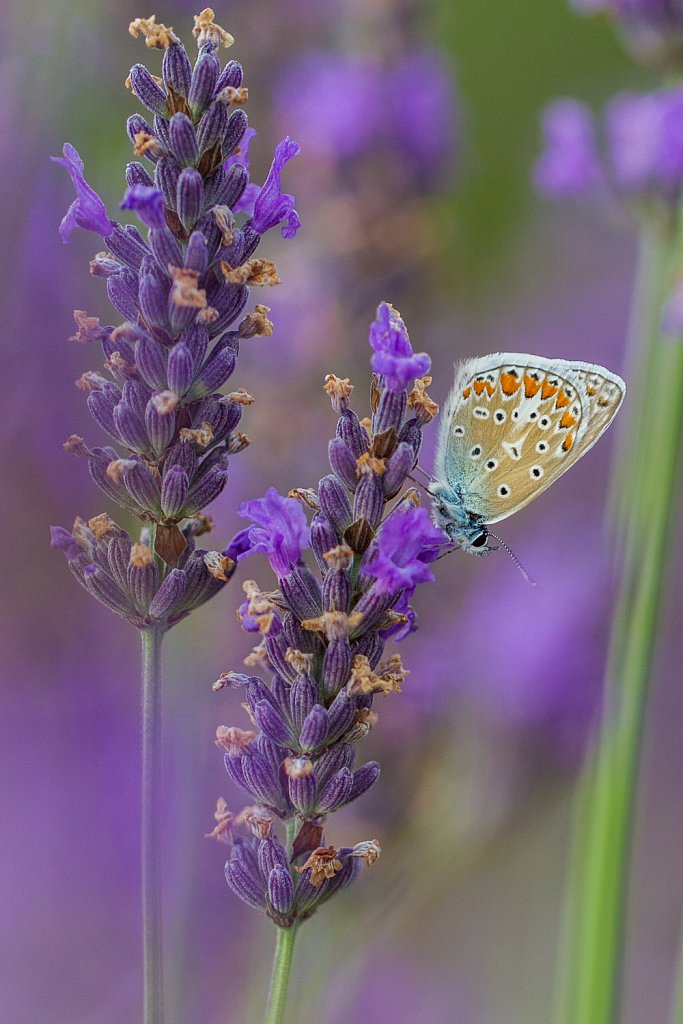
[(419, 127)]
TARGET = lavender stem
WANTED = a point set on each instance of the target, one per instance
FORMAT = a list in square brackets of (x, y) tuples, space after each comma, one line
[(279, 980), (151, 824)]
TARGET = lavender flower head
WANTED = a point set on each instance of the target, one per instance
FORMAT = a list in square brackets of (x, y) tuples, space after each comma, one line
[(323, 636), (181, 291), (640, 158)]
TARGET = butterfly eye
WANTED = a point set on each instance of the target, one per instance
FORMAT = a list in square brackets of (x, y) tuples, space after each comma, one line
[(480, 540)]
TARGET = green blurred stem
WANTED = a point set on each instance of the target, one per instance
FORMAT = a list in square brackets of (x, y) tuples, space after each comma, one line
[(279, 979), (607, 826), (151, 825)]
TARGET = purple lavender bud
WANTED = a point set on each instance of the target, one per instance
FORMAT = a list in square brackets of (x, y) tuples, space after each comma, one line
[(352, 433), (176, 69), (390, 411), (276, 649), (280, 890), (301, 592), (337, 591), (393, 357), (131, 427), (123, 295), (148, 203), (174, 489), (213, 125), (342, 713), (97, 467), (336, 792), (231, 75), (153, 297), (299, 639), (371, 645), (180, 369), (336, 666), (166, 177), (230, 301), (234, 132), (398, 467), (146, 89), (143, 580), (343, 462), (118, 557), (165, 248), (160, 423), (411, 434), (258, 691), (333, 760), (150, 358), (127, 248), (271, 854), (369, 500), (204, 78), (161, 131), (323, 538), (142, 485), (302, 793), (206, 490), (314, 729), (235, 181), (100, 584), (136, 174), (189, 197), (272, 206), (197, 253), (365, 777), (197, 340), (244, 884), (169, 595), (87, 210), (102, 266), (136, 124), (272, 723), (201, 585), (334, 503), (183, 140), (303, 696), (262, 781), (216, 370), (101, 407)]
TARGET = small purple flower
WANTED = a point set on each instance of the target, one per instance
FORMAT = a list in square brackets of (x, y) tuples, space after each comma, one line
[(148, 203), (87, 210), (644, 139), (272, 206), (394, 358), (407, 541), (570, 163), (62, 540), (246, 203), (281, 530)]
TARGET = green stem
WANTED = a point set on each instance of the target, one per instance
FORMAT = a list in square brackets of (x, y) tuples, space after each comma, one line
[(151, 825), (608, 822), (279, 979)]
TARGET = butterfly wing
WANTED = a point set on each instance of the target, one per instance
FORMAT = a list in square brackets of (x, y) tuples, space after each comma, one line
[(514, 423)]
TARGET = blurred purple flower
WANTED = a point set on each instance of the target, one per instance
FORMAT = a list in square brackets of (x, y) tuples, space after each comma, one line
[(569, 164), (653, 29), (406, 543), (272, 206), (420, 111), (281, 530), (394, 358), (148, 203), (87, 210)]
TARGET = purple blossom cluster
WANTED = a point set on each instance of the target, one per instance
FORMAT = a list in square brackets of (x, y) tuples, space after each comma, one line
[(635, 153), (182, 292), (322, 636)]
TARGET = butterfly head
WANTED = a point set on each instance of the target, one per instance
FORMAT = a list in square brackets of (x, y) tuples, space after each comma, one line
[(464, 528)]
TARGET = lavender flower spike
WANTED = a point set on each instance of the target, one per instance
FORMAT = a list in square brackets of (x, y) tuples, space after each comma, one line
[(272, 205), (569, 164), (87, 210), (394, 358)]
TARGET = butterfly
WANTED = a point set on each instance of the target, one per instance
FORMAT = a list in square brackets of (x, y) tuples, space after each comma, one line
[(512, 424)]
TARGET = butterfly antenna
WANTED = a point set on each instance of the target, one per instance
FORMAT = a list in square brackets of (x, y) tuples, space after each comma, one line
[(514, 558), (424, 472), (418, 483)]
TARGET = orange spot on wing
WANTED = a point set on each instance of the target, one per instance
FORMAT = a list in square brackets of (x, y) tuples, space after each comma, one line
[(467, 392), (567, 420), (568, 442), (562, 400), (509, 383), (589, 390), (548, 390), (531, 386), (483, 385)]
